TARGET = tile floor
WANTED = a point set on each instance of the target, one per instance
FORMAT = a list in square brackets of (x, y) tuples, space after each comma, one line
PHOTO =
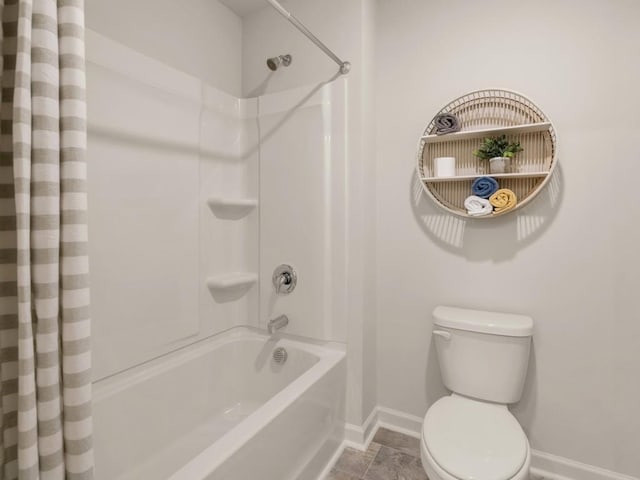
[(390, 456)]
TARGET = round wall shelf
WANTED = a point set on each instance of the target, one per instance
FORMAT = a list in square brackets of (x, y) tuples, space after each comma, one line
[(482, 114)]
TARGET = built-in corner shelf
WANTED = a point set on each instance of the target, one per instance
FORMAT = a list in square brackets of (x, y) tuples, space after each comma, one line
[(231, 207), (482, 114), (215, 202), (226, 281)]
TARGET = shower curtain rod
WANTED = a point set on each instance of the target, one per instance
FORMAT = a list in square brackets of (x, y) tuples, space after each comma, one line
[(344, 66)]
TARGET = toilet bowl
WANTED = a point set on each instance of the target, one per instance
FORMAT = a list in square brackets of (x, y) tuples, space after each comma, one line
[(464, 439), (471, 434)]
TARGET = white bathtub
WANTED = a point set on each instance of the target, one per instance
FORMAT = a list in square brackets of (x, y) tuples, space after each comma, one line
[(223, 410)]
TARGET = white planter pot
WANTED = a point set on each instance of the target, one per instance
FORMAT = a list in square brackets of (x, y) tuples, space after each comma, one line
[(500, 165), (444, 166)]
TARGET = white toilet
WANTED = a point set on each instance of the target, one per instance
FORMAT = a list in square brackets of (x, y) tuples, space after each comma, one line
[(471, 435)]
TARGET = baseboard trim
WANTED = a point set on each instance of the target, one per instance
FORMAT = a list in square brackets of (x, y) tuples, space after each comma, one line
[(553, 467), (544, 466), (399, 421), (359, 437)]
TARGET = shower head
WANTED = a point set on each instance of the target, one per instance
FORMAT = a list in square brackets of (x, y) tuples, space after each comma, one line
[(274, 62)]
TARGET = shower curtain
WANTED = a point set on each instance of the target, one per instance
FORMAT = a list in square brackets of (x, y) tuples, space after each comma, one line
[(45, 358)]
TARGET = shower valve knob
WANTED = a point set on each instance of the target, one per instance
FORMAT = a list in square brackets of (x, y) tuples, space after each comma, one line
[(284, 279)]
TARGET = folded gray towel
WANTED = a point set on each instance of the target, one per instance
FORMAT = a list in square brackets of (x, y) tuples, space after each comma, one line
[(446, 123)]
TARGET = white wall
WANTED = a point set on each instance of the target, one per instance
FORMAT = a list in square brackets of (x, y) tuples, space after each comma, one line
[(163, 138), (368, 209), (570, 259), (302, 198), (200, 37), (144, 294), (343, 26), (228, 236), (267, 34), (160, 143)]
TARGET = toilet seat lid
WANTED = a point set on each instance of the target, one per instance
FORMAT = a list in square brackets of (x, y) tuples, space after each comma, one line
[(474, 440)]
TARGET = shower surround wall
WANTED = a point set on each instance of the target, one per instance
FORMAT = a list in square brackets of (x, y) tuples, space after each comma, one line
[(162, 143), (169, 143), (168, 151), (329, 215), (302, 198)]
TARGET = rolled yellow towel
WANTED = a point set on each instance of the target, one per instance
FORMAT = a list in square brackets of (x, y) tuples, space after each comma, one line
[(503, 200)]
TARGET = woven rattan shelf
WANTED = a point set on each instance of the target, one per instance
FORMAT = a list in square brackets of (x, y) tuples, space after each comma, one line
[(488, 113), (462, 178)]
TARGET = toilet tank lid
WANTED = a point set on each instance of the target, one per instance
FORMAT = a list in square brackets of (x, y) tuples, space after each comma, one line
[(494, 323)]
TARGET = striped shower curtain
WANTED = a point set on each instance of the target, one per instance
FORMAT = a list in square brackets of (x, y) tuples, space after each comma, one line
[(45, 357)]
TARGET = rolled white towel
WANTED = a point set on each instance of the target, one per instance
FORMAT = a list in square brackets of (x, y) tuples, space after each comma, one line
[(478, 206)]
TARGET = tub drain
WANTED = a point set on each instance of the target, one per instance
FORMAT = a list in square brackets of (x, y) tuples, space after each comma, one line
[(280, 355)]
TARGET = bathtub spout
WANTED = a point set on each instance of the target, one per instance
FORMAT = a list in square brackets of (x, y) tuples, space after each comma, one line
[(277, 323)]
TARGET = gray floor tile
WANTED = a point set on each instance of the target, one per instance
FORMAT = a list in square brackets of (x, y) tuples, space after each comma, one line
[(355, 462), (338, 475), (391, 464), (399, 441)]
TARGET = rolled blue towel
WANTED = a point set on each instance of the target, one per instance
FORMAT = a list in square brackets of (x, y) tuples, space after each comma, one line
[(484, 187)]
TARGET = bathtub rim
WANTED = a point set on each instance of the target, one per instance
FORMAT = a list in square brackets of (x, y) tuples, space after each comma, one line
[(329, 355), (120, 381)]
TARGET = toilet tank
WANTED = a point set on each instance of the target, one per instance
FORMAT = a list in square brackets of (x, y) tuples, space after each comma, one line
[(483, 355)]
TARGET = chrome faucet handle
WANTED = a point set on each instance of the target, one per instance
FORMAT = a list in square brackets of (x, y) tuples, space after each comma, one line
[(284, 279)]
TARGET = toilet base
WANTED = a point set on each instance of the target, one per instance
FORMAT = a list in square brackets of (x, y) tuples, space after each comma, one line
[(434, 472)]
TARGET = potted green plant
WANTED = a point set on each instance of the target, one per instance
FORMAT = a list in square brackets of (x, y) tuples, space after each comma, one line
[(499, 151)]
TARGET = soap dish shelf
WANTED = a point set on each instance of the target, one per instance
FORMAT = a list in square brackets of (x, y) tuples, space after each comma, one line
[(231, 207), (227, 281)]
